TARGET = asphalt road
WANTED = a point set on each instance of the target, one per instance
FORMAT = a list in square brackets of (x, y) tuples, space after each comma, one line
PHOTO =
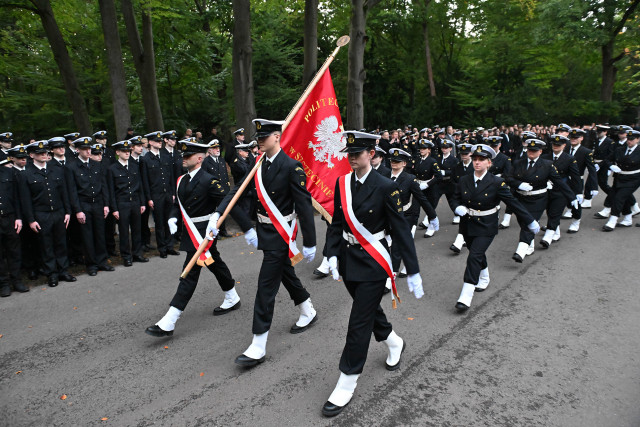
[(552, 342)]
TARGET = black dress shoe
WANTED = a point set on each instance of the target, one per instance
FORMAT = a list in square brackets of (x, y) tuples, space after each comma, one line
[(421, 226), (397, 365), (454, 249), (295, 329), (544, 244), (599, 216), (320, 274), (20, 287), (163, 255), (571, 231), (503, 227), (67, 277), (461, 307), (606, 228), (5, 291), (157, 331), (331, 410), (543, 228), (127, 263), (638, 224), (105, 267), (172, 252), (385, 290), (53, 281), (93, 273), (33, 275), (401, 275), (247, 361), (137, 258), (517, 258), (219, 311)]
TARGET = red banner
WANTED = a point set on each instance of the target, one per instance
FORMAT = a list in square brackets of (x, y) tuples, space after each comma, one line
[(314, 138)]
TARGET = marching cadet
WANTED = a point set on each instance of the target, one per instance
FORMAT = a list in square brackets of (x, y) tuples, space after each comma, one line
[(198, 194), (606, 152), (127, 202), (240, 166), (46, 208), (366, 204), (70, 152), (518, 154), (464, 167), (377, 163), (159, 187), (429, 177), (238, 138), (447, 163), (530, 177), (215, 165), (477, 200), (625, 164), (602, 147), (584, 160), (280, 185), (567, 168), (5, 144), (10, 227), (92, 202), (501, 164)]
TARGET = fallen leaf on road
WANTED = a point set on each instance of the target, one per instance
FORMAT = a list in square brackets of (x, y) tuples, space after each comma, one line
[(88, 292), (75, 308), (19, 372), (166, 347), (0, 335), (250, 252), (44, 289), (63, 397), (409, 318), (104, 419), (241, 253), (30, 326), (238, 282), (134, 303), (202, 374)]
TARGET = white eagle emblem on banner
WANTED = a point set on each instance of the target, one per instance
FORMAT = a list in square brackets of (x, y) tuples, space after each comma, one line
[(329, 137)]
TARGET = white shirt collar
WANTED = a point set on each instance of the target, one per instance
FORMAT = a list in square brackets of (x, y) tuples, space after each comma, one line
[(193, 173), (574, 148), (125, 164), (271, 159), (395, 176), (476, 179), (466, 165), (154, 151), (631, 148), (622, 142), (364, 177), (18, 167), (41, 168), (60, 160)]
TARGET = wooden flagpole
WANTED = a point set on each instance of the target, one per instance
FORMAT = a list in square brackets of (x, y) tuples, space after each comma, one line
[(342, 41)]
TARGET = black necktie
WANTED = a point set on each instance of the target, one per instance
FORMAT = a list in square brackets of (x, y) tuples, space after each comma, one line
[(126, 167), (393, 178), (62, 162), (628, 151), (573, 151), (555, 158), (531, 163), (358, 185), (478, 182), (268, 164)]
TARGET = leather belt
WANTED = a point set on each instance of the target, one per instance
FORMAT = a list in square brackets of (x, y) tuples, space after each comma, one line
[(407, 206), (473, 212), (351, 239), (629, 172), (201, 218), (263, 219), (532, 192)]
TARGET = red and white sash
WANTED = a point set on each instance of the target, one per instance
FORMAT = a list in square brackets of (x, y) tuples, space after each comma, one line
[(205, 257), (286, 231), (366, 239)]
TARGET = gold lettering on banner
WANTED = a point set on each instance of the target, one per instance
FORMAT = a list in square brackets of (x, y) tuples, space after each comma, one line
[(320, 103), (312, 177)]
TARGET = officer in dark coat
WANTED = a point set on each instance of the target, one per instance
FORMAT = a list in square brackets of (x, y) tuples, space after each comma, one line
[(375, 205), (447, 163), (501, 165), (198, 193), (6, 140), (10, 227), (584, 160), (159, 184), (46, 208), (463, 168), (215, 165), (602, 149), (377, 162), (529, 177), (230, 152), (284, 184), (240, 166), (567, 168), (476, 200), (92, 200), (127, 202), (170, 139), (520, 152), (429, 176)]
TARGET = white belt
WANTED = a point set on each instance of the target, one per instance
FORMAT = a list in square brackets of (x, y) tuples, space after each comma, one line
[(426, 181), (598, 161), (499, 175), (262, 219), (629, 172), (353, 241), (201, 218), (473, 212), (407, 206), (532, 192)]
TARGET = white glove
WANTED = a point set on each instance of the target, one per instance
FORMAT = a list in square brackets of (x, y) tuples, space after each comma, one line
[(173, 227), (309, 253), (435, 224), (575, 203), (549, 185), (461, 210), (251, 237), (580, 198), (534, 227), (442, 172), (414, 281), (333, 268), (424, 185), (615, 168), (212, 227), (594, 193), (597, 167), (525, 186), (609, 173)]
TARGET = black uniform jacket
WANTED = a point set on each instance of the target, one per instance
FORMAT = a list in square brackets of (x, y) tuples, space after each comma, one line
[(125, 186), (448, 165), (158, 174), (428, 170), (90, 182), (584, 159), (218, 169), (459, 171), (378, 207), (490, 192), (240, 167), (43, 191), (602, 150), (286, 184), (501, 165), (408, 186), (626, 163), (541, 172), (383, 170), (567, 168), (9, 200)]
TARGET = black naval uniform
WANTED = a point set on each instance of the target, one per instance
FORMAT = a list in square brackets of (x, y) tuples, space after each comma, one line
[(501, 165), (91, 197), (45, 200), (285, 182), (602, 151), (200, 196), (567, 168), (427, 169), (624, 184), (585, 161), (239, 168), (382, 169), (377, 205), (217, 167), (479, 230), (10, 211), (537, 176), (447, 186), (159, 183), (74, 235), (127, 196), (145, 230)]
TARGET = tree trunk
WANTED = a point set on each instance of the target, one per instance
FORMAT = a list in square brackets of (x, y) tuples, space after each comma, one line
[(427, 49), (609, 71), (145, 63), (117, 77), (356, 74), (243, 99), (63, 60), (310, 41)]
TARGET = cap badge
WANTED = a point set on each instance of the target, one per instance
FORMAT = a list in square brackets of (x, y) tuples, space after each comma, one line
[(184, 147), (258, 125), (40, 145), (350, 138)]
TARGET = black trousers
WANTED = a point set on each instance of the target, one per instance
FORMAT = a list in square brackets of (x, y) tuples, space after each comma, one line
[(603, 183), (396, 256), (10, 254), (187, 286), (477, 258), (536, 206), (109, 233), (52, 237), (93, 235), (366, 317), (555, 208), (447, 188), (31, 256), (74, 240), (622, 196), (276, 268), (161, 214), (431, 194), (145, 231), (129, 218)]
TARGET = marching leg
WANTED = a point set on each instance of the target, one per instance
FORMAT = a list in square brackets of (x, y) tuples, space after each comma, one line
[(256, 352)]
